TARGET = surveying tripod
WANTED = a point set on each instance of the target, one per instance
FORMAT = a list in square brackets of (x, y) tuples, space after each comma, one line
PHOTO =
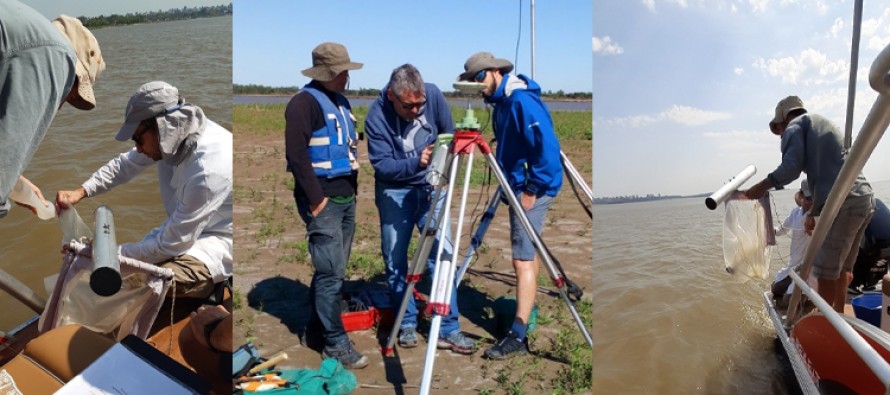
[(462, 147)]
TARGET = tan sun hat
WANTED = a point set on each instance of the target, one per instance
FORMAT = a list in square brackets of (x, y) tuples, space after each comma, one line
[(482, 61), (329, 60), (785, 106), (89, 59)]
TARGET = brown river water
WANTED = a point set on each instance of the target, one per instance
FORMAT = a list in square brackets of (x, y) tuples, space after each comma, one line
[(668, 319), (193, 55)]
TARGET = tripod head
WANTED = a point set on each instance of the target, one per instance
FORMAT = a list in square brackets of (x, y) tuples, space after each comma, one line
[(469, 121)]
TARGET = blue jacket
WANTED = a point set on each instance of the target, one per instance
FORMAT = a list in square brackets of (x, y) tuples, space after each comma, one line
[(333, 147), (527, 147), (394, 145)]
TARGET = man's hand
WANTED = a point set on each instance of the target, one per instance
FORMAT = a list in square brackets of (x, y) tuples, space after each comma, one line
[(809, 224), (36, 191), (528, 200), (317, 208), (66, 199), (425, 156)]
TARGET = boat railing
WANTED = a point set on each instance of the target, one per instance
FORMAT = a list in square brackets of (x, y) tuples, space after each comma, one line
[(870, 134), (869, 355)]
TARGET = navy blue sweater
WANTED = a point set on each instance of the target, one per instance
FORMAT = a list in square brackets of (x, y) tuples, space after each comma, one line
[(394, 144)]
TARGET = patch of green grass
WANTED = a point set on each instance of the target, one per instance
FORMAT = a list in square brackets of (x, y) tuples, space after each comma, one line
[(364, 265), (295, 252)]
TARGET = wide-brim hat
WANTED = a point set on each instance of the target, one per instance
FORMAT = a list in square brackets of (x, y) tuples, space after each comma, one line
[(89, 63), (785, 106), (150, 100), (329, 60), (482, 61)]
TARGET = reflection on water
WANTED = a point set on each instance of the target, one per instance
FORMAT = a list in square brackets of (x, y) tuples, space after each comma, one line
[(193, 55), (667, 318)]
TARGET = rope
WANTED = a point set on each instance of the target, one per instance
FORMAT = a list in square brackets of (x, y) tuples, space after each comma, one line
[(172, 309)]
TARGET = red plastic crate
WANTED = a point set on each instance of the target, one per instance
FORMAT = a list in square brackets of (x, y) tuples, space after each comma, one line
[(359, 320)]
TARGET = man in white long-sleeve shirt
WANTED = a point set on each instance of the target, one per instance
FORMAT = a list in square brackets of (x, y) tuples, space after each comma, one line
[(194, 157), (799, 241)]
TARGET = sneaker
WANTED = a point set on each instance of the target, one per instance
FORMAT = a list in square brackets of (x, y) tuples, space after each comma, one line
[(458, 343), (854, 290), (347, 355), (408, 337), (508, 347)]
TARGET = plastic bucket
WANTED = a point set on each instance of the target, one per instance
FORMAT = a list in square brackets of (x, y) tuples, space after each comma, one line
[(868, 308)]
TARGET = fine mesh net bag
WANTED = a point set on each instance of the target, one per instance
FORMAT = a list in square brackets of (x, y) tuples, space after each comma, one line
[(132, 310), (748, 236)]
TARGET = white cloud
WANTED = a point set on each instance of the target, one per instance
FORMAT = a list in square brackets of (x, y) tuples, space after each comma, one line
[(738, 71), (758, 5), (810, 67), (681, 3), (683, 115), (606, 46), (650, 4), (735, 134), (836, 27)]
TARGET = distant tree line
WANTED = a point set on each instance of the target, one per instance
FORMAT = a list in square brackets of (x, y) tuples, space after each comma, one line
[(156, 16), (633, 198), (642, 198), (252, 89)]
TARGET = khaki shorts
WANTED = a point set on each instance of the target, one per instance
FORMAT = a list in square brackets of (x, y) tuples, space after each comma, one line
[(838, 252), (192, 278)]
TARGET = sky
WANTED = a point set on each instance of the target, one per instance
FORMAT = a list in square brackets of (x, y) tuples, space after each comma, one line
[(93, 8), (273, 40), (688, 87)]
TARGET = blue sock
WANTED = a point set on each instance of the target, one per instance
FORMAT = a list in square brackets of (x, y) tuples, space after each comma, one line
[(519, 329)]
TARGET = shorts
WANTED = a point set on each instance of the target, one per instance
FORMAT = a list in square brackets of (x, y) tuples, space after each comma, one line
[(523, 248), (838, 252)]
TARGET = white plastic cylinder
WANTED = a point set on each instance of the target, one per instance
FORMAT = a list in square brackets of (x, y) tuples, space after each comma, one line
[(23, 194)]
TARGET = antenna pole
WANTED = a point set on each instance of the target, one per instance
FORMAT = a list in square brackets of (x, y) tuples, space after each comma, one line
[(854, 65), (533, 36)]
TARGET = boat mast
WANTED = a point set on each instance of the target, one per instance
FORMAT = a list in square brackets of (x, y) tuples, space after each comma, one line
[(854, 66)]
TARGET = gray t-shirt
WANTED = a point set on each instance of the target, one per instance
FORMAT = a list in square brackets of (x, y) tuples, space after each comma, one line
[(814, 145), (37, 70)]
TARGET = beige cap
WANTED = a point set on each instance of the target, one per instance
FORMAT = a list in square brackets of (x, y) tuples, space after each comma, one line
[(483, 61), (89, 59), (329, 60), (785, 106)]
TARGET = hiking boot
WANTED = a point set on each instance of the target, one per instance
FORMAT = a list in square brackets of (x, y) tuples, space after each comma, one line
[(457, 342), (346, 354), (508, 347), (408, 337)]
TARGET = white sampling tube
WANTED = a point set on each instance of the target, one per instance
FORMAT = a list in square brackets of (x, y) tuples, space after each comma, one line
[(731, 186), (23, 194)]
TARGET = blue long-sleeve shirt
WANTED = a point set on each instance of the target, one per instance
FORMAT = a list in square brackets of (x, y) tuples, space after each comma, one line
[(527, 147), (812, 144), (394, 144)]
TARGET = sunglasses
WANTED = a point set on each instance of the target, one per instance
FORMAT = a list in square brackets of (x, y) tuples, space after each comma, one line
[(146, 126), (410, 106), (480, 76)]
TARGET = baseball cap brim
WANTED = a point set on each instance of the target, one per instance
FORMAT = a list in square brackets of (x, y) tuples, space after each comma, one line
[(126, 131)]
